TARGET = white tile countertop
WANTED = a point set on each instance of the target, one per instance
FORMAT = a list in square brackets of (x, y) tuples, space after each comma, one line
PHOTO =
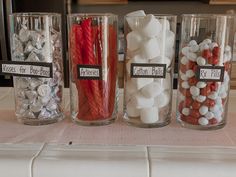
[(113, 150)]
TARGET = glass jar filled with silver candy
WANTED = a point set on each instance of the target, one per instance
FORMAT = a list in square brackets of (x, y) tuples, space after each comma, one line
[(36, 38)]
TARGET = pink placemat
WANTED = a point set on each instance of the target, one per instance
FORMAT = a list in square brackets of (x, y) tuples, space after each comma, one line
[(115, 134)]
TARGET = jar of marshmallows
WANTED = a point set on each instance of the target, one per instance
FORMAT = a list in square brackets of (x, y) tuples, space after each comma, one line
[(204, 70), (149, 59)]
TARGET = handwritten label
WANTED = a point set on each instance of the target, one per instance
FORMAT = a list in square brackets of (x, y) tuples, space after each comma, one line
[(147, 70), (26, 69), (89, 72), (210, 73)]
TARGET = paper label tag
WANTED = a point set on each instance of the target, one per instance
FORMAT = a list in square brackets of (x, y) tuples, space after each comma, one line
[(148, 70), (89, 72), (210, 73), (26, 69)]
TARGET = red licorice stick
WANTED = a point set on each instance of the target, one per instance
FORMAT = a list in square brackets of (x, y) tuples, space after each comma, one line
[(89, 58), (113, 67), (76, 48)]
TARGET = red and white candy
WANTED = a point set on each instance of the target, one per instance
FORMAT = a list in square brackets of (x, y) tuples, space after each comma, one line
[(202, 103)]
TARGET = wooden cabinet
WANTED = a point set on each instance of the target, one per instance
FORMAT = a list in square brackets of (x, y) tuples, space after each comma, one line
[(220, 2), (97, 2)]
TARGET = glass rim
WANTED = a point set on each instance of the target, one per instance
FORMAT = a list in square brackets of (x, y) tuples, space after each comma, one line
[(155, 15), (34, 14), (91, 15), (207, 15)]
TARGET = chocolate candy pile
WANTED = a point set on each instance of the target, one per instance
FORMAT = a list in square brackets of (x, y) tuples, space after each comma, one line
[(150, 41), (203, 102), (38, 98)]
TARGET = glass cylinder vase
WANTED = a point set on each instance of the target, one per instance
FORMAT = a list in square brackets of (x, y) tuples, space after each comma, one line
[(93, 68), (36, 41), (149, 60), (204, 70)]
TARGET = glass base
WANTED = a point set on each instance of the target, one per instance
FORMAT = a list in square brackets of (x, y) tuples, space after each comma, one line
[(36, 122), (106, 121), (200, 127), (140, 124)]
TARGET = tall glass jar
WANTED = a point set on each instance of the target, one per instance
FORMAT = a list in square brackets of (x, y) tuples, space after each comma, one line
[(204, 70), (36, 39), (149, 60), (93, 68)]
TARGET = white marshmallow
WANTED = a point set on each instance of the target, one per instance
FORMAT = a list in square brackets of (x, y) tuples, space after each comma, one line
[(163, 99), (201, 84), (152, 90), (184, 60), (150, 26), (149, 115), (203, 121), (203, 110), (190, 73), (161, 60), (134, 40), (168, 39), (195, 91), (140, 101), (133, 18), (186, 111), (201, 98), (131, 110), (209, 115), (130, 87), (201, 61), (150, 49), (213, 95), (141, 82), (185, 85), (165, 83), (135, 59), (165, 49), (169, 52), (165, 24)]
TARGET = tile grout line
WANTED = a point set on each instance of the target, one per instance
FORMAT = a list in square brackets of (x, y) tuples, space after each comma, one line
[(33, 159), (148, 162)]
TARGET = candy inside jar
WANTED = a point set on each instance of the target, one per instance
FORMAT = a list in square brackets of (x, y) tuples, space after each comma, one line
[(93, 63), (36, 39), (150, 46), (204, 73)]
